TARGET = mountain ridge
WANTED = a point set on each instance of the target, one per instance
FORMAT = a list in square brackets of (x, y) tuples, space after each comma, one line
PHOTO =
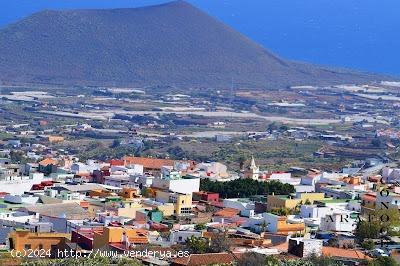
[(174, 44)]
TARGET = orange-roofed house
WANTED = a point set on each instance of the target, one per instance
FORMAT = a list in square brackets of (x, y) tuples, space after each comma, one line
[(345, 254), (25, 240), (149, 164), (117, 162), (352, 180), (47, 161), (227, 213), (368, 202), (130, 193), (119, 237), (48, 166), (276, 224)]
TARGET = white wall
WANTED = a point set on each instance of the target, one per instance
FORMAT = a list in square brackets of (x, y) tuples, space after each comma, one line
[(235, 204), (181, 236), (341, 222), (271, 221), (279, 176), (313, 211), (185, 186)]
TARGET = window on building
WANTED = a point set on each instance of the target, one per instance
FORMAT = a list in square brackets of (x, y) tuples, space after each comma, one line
[(40, 246), (27, 246)]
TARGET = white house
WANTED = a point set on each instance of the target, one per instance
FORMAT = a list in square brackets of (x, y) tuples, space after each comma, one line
[(132, 169), (239, 204), (339, 221), (180, 236), (180, 185), (314, 212)]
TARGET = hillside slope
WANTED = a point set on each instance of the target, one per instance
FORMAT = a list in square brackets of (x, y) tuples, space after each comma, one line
[(172, 44)]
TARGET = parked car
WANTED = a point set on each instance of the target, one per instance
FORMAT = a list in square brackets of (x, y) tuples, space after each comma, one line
[(377, 252)]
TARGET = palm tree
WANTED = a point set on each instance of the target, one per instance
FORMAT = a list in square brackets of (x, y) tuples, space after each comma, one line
[(263, 226)]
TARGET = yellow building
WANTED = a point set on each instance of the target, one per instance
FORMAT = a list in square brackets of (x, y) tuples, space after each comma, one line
[(182, 202), (311, 197), (116, 235), (168, 209), (23, 240), (129, 209), (290, 202)]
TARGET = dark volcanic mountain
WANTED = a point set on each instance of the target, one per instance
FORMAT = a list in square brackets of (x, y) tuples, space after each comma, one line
[(172, 44)]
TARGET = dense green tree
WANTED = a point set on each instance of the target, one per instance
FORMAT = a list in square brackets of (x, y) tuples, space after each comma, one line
[(367, 230), (18, 156), (383, 261), (246, 188), (115, 143), (368, 245), (197, 245), (379, 221), (177, 153), (200, 226)]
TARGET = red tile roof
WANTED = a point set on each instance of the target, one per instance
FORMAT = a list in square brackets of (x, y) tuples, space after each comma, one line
[(47, 162), (344, 253), (148, 163), (369, 197), (117, 162), (227, 212)]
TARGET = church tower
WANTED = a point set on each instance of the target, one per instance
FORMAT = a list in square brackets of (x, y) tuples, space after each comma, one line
[(252, 171)]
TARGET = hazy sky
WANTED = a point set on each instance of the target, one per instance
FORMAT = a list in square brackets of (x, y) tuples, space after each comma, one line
[(360, 34)]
